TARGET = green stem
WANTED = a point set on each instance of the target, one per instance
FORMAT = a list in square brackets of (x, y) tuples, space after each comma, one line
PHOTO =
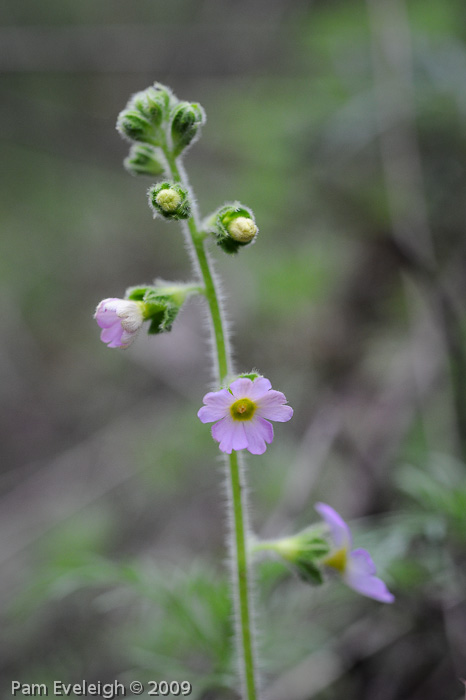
[(241, 582), (241, 575)]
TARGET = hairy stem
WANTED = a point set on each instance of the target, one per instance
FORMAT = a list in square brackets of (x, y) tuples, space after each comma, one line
[(240, 562), (238, 507)]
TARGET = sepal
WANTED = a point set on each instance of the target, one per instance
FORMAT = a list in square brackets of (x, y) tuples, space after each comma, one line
[(161, 303), (186, 121), (249, 375), (253, 374), (303, 552), (233, 226), (308, 572), (170, 200)]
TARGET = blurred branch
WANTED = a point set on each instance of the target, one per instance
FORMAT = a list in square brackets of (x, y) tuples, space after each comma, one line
[(401, 159), (402, 168)]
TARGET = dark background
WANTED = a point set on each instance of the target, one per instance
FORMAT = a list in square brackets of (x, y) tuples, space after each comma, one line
[(342, 124)]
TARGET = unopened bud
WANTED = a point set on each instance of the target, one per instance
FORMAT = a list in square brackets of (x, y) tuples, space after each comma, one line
[(120, 320), (233, 225), (187, 118), (144, 160), (169, 200), (134, 127), (153, 103)]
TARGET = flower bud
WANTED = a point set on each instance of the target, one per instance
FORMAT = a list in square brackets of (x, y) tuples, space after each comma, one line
[(144, 160), (134, 127), (234, 226), (151, 103), (170, 201), (144, 114), (120, 320), (187, 118)]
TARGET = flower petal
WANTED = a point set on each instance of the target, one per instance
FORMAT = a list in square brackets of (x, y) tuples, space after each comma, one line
[(241, 388), (339, 530), (221, 398), (258, 432), (272, 398), (209, 414), (370, 586), (105, 313), (216, 406), (112, 334), (361, 562), (260, 387), (230, 434), (359, 576), (271, 406), (127, 339)]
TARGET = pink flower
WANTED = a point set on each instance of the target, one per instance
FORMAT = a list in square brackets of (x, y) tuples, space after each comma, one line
[(355, 567), (120, 319), (241, 412)]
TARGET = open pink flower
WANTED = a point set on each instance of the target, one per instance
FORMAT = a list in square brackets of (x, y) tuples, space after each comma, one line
[(241, 412), (120, 319), (354, 566)]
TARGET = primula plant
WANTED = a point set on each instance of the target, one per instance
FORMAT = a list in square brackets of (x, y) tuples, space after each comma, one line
[(161, 128)]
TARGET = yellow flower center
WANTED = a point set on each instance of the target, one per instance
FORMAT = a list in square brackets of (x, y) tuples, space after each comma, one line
[(337, 560), (243, 409)]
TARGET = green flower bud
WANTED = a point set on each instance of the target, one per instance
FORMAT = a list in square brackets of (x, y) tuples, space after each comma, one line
[(143, 118), (161, 303), (144, 160), (170, 201), (150, 105), (134, 127), (233, 225), (154, 103), (187, 118)]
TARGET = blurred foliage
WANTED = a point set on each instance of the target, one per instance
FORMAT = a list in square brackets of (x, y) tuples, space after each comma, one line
[(111, 497)]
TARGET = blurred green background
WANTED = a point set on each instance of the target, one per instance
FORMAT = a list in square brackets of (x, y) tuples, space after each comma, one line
[(342, 124)]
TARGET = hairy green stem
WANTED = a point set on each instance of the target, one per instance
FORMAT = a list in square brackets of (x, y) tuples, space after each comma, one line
[(241, 576)]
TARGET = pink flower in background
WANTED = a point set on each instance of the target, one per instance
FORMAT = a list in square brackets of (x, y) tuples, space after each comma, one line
[(120, 319), (243, 412), (354, 566)]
